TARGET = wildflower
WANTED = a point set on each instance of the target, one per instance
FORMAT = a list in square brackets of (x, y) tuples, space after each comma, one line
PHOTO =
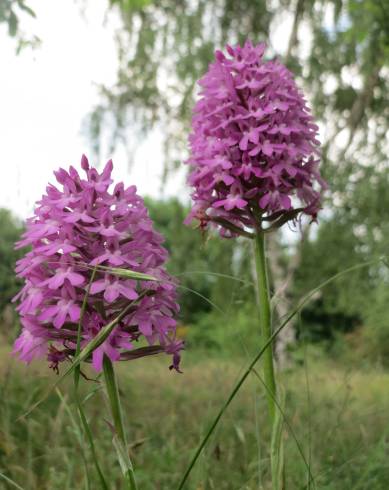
[(76, 229), (254, 148)]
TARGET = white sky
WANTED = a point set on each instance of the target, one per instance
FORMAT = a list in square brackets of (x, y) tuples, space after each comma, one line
[(45, 95)]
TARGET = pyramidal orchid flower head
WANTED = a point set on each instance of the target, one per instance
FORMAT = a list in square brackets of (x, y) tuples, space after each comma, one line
[(254, 152), (78, 228)]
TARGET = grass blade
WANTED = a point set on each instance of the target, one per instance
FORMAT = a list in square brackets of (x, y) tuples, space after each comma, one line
[(79, 330), (89, 436), (120, 439), (129, 274), (10, 482), (77, 370), (217, 274), (243, 378), (77, 431)]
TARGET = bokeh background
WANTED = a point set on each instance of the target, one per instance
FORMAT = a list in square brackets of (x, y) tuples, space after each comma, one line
[(118, 79)]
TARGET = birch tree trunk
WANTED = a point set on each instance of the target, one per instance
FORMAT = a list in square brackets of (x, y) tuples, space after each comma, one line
[(282, 280)]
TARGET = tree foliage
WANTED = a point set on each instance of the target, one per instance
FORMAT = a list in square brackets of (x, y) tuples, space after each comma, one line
[(10, 231), (166, 45), (163, 49), (11, 12), (202, 264)]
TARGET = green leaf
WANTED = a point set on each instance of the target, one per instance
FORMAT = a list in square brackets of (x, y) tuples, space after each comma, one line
[(12, 24), (26, 8), (129, 274)]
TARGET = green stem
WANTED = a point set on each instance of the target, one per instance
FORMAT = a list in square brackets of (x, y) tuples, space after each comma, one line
[(263, 295), (116, 411)]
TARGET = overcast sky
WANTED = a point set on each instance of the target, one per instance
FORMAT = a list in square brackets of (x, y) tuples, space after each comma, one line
[(45, 95)]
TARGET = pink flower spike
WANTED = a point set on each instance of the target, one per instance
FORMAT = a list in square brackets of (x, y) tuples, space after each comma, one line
[(252, 115), (77, 226)]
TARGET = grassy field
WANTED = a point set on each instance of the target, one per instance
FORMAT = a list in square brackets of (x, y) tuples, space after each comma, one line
[(339, 416)]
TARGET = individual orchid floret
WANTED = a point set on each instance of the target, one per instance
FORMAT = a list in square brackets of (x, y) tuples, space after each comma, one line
[(82, 229), (254, 152)]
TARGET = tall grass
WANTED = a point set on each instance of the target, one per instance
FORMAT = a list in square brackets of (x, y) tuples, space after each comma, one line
[(167, 415)]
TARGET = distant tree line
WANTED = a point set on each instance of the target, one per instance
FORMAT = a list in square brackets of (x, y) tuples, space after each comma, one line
[(216, 278)]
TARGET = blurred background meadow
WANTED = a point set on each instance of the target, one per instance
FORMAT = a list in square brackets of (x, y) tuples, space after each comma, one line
[(117, 78)]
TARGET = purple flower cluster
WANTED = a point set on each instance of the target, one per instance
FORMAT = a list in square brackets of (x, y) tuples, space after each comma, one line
[(254, 151), (74, 230)]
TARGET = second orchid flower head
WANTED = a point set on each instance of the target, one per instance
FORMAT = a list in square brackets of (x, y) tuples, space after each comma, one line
[(254, 151)]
